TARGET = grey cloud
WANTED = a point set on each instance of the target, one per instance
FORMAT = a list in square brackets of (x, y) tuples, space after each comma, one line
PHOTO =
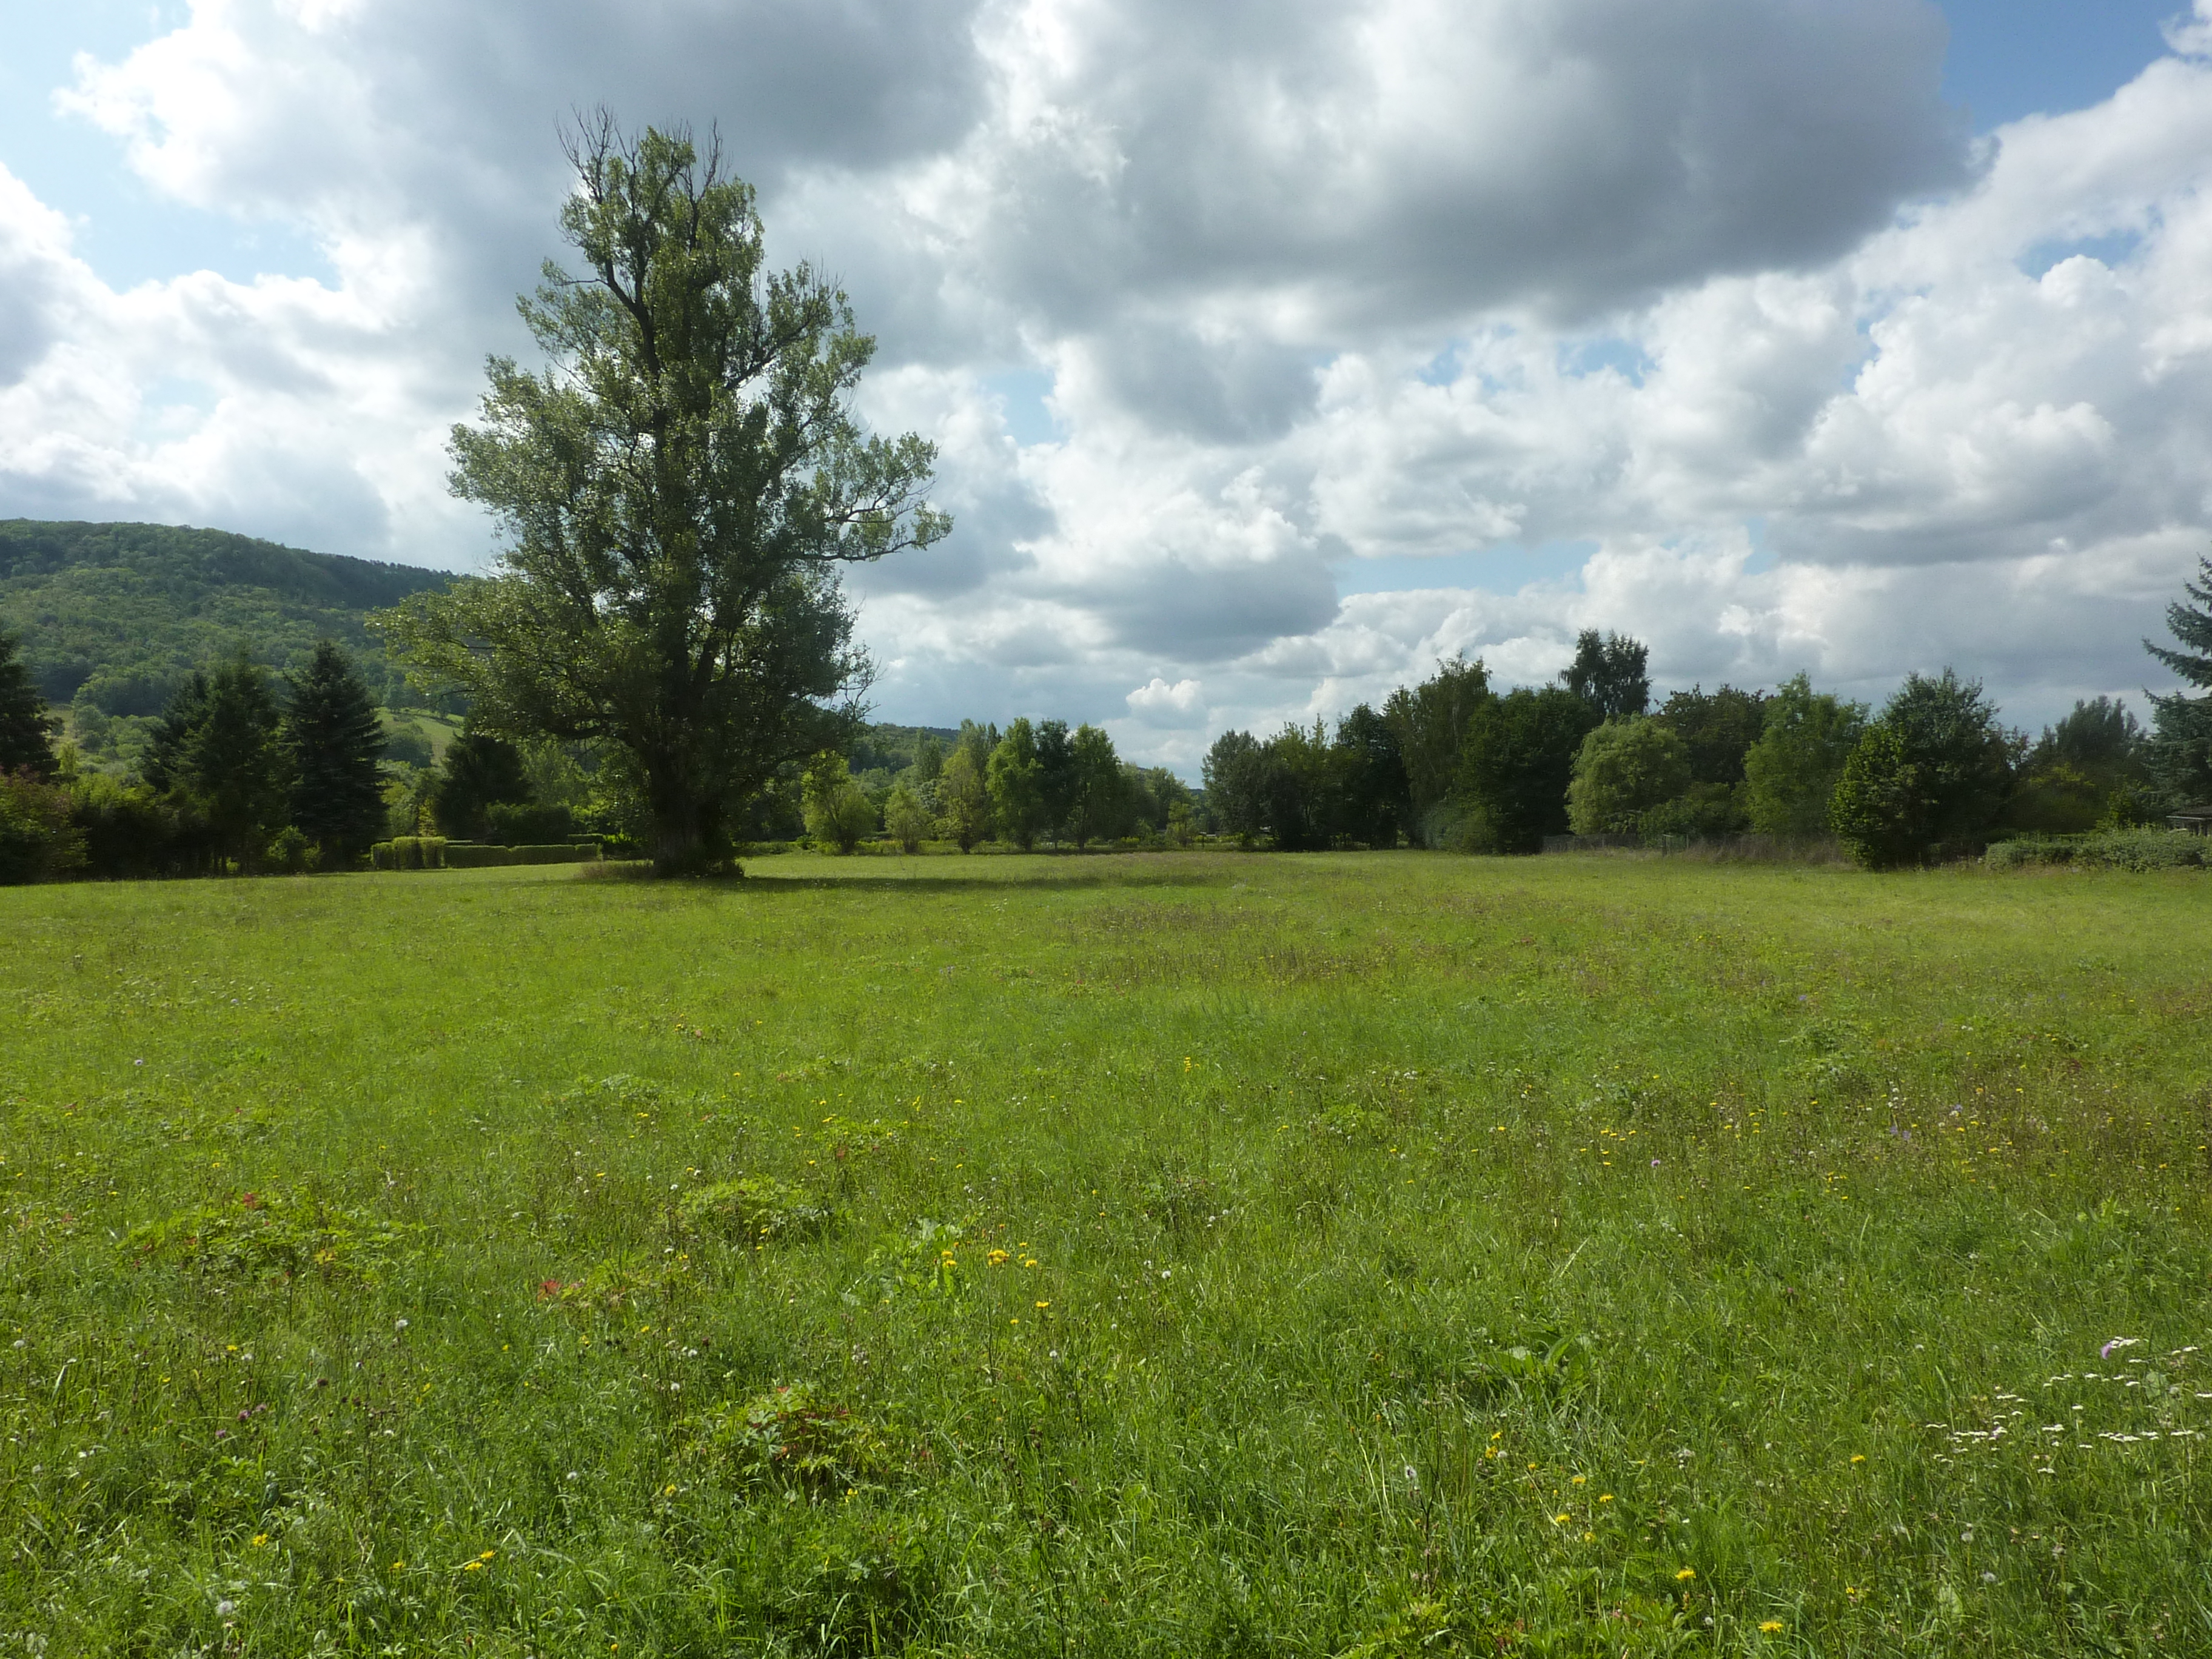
[(1572, 156), (1176, 611), (1238, 390)]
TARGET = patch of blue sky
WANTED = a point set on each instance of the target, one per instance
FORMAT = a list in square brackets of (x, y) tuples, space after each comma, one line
[(127, 231), (2009, 58), (1763, 557), (1594, 354), (1505, 570), (2114, 249), (1021, 393)]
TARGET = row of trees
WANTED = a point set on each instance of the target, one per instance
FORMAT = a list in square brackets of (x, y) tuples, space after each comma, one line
[(1450, 763), (240, 771), (1034, 781)]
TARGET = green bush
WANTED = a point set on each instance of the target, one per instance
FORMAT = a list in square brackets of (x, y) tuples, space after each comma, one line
[(556, 853), (2117, 849), (409, 853), (474, 855), (37, 838)]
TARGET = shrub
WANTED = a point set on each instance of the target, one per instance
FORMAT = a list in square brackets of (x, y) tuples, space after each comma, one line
[(128, 832), (37, 838), (791, 1438), (474, 855), (756, 1210), (409, 853), (2119, 849), (1622, 770), (556, 853), (273, 1234), (292, 854)]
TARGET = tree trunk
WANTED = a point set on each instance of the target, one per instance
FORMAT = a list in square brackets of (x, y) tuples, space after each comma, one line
[(688, 837)]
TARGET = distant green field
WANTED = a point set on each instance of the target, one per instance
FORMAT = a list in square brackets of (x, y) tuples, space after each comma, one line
[(1359, 1254)]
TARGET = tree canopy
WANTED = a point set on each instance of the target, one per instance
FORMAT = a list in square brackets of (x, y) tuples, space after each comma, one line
[(679, 489), (1611, 673)]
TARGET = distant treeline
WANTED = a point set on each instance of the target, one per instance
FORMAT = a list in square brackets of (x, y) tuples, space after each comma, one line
[(114, 619), (241, 770), (1452, 763)]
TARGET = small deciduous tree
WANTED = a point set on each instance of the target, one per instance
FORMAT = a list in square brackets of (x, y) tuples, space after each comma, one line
[(1883, 811), (964, 793), (1623, 769), (1234, 773), (678, 490), (1790, 773), (1056, 780), (907, 818), (1015, 780), (838, 811), (480, 772), (1098, 797), (1950, 730), (333, 739), (1373, 800)]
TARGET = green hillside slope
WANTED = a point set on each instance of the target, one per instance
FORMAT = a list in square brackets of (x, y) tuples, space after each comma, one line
[(113, 616)]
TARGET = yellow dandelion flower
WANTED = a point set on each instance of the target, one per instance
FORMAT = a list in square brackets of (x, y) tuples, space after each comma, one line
[(1686, 1574), (1858, 1457), (259, 1539), (1582, 1481), (471, 1566), (1605, 1497), (1044, 1304), (1770, 1628), (1559, 1520)]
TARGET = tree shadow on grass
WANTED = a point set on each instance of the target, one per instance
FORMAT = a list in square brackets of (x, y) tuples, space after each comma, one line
[(1072, 873)]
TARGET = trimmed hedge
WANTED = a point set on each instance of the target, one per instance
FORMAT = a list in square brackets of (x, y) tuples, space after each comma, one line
[(409, 853)]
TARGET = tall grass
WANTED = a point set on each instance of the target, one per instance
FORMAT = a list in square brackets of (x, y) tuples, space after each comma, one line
[(1175, 1255)]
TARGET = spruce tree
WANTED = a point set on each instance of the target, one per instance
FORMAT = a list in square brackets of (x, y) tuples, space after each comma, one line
[(334, 740), (216, 757), (26, 729), (2180, 752)]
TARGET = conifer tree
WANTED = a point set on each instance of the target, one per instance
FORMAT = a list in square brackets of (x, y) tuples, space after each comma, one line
[(26, 729), (2180, 752), (215, 755), (334, 740)]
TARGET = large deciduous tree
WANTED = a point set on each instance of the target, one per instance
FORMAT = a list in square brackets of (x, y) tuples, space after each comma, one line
[(679, 489)]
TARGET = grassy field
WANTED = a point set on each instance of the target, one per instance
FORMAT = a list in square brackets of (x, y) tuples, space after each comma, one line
[(1353, 1255)]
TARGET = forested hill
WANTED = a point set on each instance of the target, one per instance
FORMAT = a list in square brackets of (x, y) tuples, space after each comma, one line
[(116, 615)]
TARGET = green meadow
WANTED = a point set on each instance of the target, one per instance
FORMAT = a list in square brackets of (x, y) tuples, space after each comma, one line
[(1146, 1255)]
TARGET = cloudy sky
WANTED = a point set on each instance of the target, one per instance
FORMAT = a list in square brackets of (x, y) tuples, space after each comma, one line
[(1273, 350)]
